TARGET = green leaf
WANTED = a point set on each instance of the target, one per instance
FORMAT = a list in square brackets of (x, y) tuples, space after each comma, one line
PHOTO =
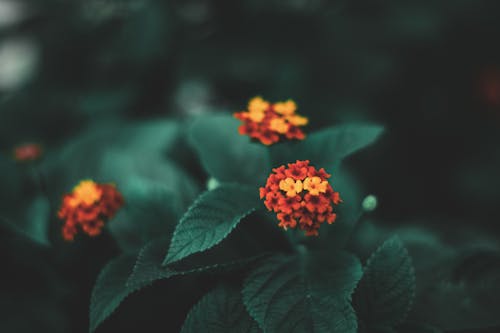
[(328, 147), (225, 154), (210, 219), (220, 311), (110, 289), (147, 267), (336, 236), (128, 274), (309, 292), (385, 293)]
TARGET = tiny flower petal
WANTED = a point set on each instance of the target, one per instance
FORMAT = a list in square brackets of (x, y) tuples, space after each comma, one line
[(285, 108), (291, 187), (279, 125), (256, 116), (315, 185), (257, 104), (297, 120)]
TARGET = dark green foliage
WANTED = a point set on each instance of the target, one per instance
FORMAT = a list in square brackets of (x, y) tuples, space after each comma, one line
[(308, 292), (110, 289), (226, 155), (220, 311), (140, 93), (462, 290), (386, 292), (139, 159), (327, 148), (24, 206), (210, 219)]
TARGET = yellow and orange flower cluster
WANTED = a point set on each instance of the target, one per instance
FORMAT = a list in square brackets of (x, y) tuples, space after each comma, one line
[(300, 195), (88, 207), (269, 123)]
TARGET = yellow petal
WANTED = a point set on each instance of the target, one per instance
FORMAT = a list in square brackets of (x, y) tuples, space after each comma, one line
[(256, 116), (297, 120), (285, 108), (279, 125), (257, 104)]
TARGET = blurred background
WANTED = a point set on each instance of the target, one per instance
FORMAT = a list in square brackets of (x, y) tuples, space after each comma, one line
[(111, 72)]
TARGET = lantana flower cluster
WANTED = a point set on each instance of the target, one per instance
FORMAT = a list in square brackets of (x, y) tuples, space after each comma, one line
[(269, 123), (301, 196), (88, 207), (27, 152)]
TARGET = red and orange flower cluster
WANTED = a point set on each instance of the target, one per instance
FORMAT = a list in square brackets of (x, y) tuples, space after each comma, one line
[(27, 152), (88, 207), (300, 195), (269, 123)]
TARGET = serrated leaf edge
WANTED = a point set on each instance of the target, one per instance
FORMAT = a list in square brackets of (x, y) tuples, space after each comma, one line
[(391, 240), (168, 258)]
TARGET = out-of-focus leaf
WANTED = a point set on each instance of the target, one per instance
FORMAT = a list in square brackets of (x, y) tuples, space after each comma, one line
[(328, 147), (23, 206), (156, 194), (385, 294), (38, 217), (348, 212), (134, 157), (411, 327), (462, 292), (227, 155), (220, 311)]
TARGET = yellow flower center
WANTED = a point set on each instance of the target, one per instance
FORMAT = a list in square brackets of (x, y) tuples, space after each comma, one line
[(257, 105), (315, 185), (256, 116), (87, 192), (279, 125), (291, 187), (285, 108), (297, 120)]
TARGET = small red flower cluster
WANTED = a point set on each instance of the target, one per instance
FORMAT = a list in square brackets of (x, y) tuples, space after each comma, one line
[(269, 123), (27, 152), (300, 194), (88, 206)]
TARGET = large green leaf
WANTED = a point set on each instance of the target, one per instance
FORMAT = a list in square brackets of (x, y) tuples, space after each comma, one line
[(210, 219), (227, 155), (385, 293), (220, 311), (129, 274), (148, 267), (309, 292), (110, 289), (326, 148)]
